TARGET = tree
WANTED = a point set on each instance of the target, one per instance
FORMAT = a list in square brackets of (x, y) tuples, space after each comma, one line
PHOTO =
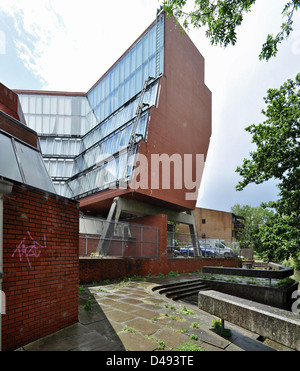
[(278, 156), (255, 218), (222, 17)]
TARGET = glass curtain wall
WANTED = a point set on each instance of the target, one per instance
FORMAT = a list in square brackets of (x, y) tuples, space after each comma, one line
[(57, 115), (60, 121), (83, 139), (127, 77)]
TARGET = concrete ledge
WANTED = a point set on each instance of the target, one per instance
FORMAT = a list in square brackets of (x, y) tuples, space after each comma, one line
[(262, 273), (275, 324)]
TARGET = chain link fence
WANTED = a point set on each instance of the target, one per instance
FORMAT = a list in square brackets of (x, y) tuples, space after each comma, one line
[(123, 239)]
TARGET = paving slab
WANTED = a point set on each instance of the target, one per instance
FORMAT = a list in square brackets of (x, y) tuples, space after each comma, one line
[(132, 300), (125, 307), (144, 326), (119, 316), (146, 313), (171, 338), (137, 342)]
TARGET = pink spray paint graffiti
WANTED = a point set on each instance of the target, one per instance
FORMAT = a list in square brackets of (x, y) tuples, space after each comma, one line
[(30, 250)]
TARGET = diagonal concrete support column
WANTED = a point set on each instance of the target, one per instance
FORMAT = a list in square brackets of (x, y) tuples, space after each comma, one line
[(144, 209), (108, 229)]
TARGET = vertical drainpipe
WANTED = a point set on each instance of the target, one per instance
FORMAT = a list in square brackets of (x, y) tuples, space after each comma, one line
[(5, 188)]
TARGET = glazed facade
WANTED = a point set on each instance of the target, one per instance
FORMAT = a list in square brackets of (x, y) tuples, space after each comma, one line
[(84, 137)]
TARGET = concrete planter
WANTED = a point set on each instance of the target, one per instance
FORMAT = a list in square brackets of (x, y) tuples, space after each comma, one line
[(274, 296)]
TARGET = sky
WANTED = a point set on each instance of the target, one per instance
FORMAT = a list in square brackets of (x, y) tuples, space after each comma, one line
[(69, 44)]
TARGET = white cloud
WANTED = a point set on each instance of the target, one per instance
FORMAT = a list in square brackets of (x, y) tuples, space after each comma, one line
[(70, 44), (2, 42)]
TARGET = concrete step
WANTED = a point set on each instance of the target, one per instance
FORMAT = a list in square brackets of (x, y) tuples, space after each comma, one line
[(177, 295), (177, 284), (182, 289)]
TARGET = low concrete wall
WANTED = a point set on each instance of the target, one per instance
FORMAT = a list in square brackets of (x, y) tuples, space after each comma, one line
[(274, 296), (275, 324), (262, 273)]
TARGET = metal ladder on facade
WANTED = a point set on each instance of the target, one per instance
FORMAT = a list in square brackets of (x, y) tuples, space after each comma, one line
[(133, 135), (158, 42)]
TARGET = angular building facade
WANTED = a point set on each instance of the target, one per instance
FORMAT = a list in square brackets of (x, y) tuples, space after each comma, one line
[(151, 111)]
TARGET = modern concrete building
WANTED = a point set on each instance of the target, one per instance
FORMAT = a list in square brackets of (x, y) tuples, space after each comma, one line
[(136, 142)]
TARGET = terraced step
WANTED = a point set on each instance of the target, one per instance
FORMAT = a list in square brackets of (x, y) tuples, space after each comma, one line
[(180, 290), (177, 284)]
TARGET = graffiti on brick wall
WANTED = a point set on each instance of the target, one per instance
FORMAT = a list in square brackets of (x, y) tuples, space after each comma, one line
[(29, 248)]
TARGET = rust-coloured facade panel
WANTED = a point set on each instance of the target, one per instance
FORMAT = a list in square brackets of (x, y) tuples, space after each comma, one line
[(13, 121)]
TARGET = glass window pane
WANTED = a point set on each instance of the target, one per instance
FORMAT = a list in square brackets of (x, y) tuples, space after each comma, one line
[(38, 123), (139, 54), (132, 86), (61, 105), (116, 82), (152, 40), (46, 105), (133, 60), (145, 47), (32, 103), (126, 91), (38, 107), (53, 105), (68, 106), (33, 167), (152, 66), (127, 66), (138, 79), (24, 103), (8, 163)]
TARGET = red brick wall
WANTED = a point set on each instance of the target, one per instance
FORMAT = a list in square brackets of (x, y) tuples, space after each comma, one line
[(40, 260)]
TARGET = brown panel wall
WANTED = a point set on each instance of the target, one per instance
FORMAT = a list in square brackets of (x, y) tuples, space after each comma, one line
[(181, 124), (216, 224), (9, 103)]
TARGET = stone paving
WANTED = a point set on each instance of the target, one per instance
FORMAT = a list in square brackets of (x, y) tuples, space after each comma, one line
[(129, 316)]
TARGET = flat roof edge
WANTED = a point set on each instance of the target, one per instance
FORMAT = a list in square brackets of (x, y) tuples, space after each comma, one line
[(49, 92)]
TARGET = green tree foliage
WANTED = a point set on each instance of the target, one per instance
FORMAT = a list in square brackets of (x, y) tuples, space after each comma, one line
[(278, 156), (255, 217), (221, 18)]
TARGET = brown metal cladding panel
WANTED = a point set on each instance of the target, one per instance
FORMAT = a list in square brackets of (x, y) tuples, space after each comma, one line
[(181, 124), (13, 121)]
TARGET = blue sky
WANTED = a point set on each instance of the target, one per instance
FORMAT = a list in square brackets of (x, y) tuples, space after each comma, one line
[(69, 44)]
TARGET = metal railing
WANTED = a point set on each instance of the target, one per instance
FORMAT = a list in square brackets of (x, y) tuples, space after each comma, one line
[(124, 240)]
